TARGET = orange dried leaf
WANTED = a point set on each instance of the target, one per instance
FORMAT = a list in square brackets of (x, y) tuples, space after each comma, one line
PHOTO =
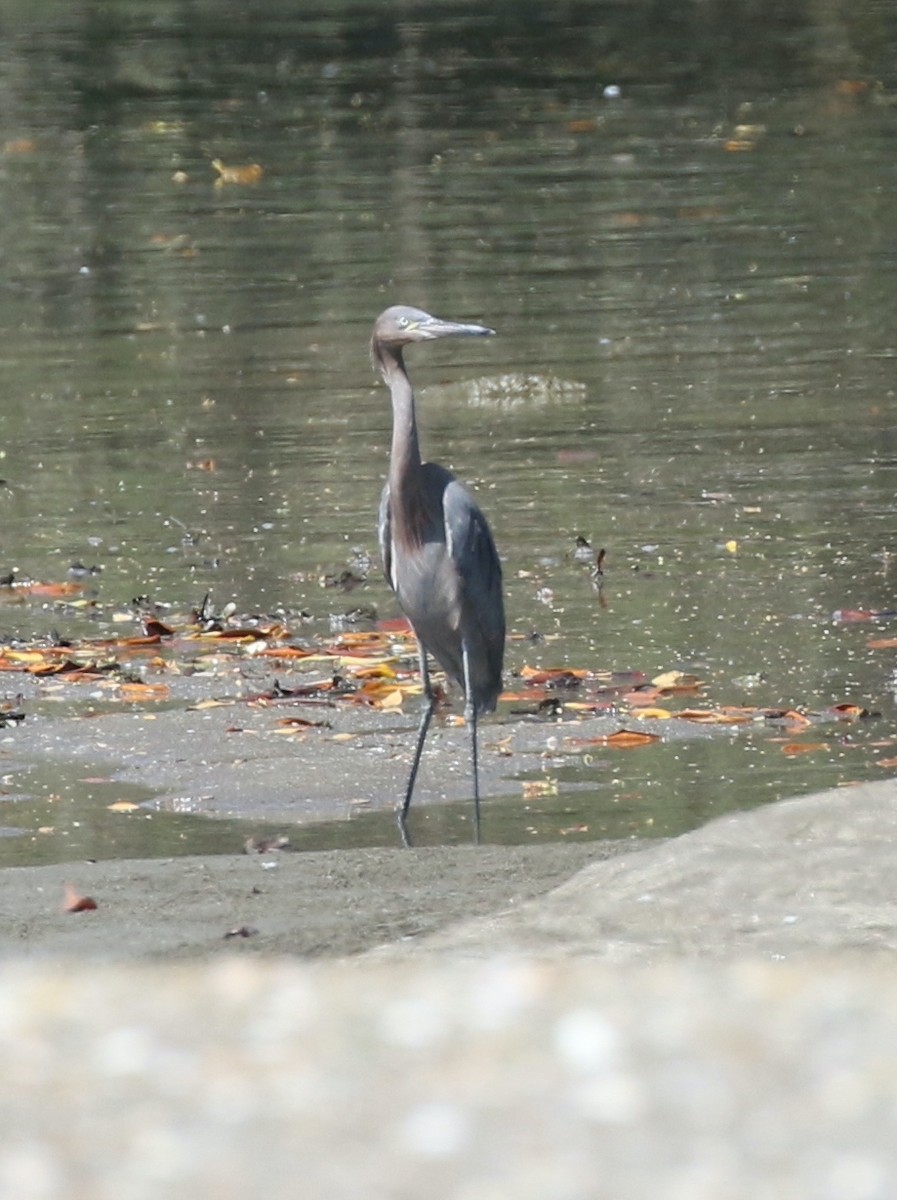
[(380, 670), (293, 723), (714, 716), (21, 660), (849, 712), (20, 146), (136, 692), (628, 220), (251, 173), (851, 87), (622, 739), (395, 625), (49, 591), (652, 714), (554, 676), (534, 788), (285, 652), (793, 749), (74, 902), (123, 806), (671, 681)]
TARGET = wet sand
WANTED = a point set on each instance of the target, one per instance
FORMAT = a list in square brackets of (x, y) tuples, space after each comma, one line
[(322, 903)]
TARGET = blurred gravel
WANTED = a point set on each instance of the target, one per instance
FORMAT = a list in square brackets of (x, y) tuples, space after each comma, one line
[(710, 1019)]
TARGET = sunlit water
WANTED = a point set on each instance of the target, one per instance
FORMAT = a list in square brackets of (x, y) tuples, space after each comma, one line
[(693, 282)]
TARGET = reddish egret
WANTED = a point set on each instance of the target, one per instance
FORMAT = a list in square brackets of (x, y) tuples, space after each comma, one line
[(438, 552)]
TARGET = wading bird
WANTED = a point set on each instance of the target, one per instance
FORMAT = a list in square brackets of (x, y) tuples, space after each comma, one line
[(437, 549)]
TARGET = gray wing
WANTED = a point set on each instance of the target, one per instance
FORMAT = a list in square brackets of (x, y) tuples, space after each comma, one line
[(470, 544), (472, 549), (384, 535)]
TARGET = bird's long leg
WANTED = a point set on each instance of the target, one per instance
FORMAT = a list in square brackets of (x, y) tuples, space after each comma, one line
[(470, 716), (421, 735)]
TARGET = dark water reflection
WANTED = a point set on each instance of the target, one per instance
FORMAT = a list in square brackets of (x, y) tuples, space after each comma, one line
[(694, 282)]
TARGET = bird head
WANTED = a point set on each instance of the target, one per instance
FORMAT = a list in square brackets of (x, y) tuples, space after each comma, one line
[(400, 325)]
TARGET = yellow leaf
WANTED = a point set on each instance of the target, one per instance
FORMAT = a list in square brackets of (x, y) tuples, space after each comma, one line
[(123, 806), (675, 679), (534, 788)]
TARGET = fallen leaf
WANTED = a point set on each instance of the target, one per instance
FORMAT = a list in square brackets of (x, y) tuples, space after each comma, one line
[(534, 788), (74, 902), (140, 692), (676, 681), (849, 712), (739, 145), (20, 146), (714, 716), (554, 677), (251, 173), (123, 806), (851, 87), (624, 739), (792, 749)]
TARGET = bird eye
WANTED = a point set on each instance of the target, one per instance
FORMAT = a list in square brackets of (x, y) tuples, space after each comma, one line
[(403, 322)]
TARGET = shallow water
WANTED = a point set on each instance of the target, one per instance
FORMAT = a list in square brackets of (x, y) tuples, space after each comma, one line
[(693, 284)]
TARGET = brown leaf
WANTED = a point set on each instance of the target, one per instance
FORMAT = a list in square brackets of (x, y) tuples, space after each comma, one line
[(137, 692), (74, 902), (623, 739), (626, 739), (717, 716), (251, 173), (554, 677), (849, 712)]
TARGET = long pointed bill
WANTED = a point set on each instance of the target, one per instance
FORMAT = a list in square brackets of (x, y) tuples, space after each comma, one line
[(434, 327)]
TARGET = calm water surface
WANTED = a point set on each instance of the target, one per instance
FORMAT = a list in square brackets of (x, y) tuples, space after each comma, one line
[(682, 228)]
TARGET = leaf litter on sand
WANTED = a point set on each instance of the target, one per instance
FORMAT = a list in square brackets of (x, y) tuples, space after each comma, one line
[(375, 668)]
